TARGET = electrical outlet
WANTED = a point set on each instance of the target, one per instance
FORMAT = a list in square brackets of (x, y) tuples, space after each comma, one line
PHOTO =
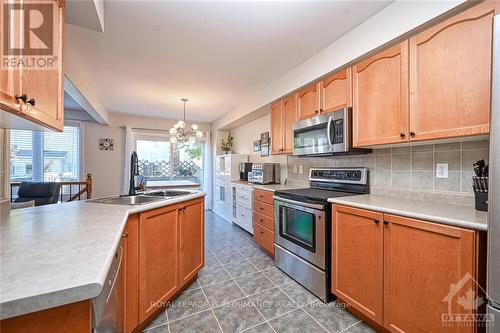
[(301, 169), (441, 170), (295, 169)]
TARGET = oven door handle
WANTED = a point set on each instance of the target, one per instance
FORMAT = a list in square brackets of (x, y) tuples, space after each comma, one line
[(302, 204), (328, 131)]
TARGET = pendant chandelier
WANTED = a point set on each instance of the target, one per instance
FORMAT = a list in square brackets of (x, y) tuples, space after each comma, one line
[(180, 134)]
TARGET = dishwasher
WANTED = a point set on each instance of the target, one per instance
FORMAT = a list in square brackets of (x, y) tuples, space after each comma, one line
[(108, 308)]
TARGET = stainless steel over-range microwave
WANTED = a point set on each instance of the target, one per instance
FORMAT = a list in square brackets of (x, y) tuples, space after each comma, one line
[(326, 134)]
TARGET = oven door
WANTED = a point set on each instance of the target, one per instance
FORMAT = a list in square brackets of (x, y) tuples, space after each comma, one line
[(300, 228)]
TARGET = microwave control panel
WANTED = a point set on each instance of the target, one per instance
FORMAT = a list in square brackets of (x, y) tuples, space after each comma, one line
[(338, 131)]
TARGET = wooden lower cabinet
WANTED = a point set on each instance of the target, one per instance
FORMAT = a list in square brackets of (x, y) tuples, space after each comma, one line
[(422, 261), (404, 274), (74, 317), (158, 258), (357, 260), (191, 235), (263, 219)]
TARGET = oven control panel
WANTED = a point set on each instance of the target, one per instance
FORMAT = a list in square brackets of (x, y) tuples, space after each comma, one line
[(339, 175)]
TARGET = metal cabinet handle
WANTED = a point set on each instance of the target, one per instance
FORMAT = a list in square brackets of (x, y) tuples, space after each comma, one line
[(386, 222), (22, 97), (125, 234), (402, 134), (376, 221), (412, 133), (31, 101)]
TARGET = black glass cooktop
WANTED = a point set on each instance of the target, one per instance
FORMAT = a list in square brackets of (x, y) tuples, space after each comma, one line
[(312, 194)]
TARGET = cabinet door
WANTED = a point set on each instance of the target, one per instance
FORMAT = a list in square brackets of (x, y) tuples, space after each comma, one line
[(158, 253), (277, 128), (45, 85), (380, 98), (191, 239), (357, 259), (423, 264), (10, 77), (308, 102), (336, 92), (289, 111), (450, 76)]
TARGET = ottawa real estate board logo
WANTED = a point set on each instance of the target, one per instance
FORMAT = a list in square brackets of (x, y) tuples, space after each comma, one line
[(28, 35)]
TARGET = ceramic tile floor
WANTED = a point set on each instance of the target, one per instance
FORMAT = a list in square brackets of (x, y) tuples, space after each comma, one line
[(240, 290)]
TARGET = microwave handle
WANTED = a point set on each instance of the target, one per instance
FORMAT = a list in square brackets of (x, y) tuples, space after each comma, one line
[(328, 129)]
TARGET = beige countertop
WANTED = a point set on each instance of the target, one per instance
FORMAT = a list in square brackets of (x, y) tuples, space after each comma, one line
[(59, 254), (455, 215), (269, 187)]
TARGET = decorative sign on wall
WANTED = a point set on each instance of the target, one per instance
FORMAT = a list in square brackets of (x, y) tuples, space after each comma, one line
[(264, 150), (106, 144), (256, 145), (264, 138)]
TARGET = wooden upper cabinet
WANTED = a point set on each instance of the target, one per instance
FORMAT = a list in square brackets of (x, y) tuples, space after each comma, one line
[(450, 76), (276, 128), (380, 98), (357, 260), (191, 238), (43, 86), (158, 258), (289, 110), (308, 103), (336, 91), (423, 261)]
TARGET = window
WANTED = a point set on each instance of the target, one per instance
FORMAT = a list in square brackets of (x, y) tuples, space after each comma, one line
[(45, 156), (160, 160)]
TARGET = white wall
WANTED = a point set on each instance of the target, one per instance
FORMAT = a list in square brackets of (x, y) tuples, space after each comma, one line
[(106, 167), (245, 135), (393, 21)]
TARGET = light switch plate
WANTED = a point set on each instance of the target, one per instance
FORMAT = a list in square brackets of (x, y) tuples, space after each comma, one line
[(441, 170), (301, 169)]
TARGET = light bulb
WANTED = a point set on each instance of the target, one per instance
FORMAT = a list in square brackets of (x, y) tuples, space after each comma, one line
[(181, 124), (192, 140), (176, 125), (194, 127), (172, 131), (173, 139), (199, 134)]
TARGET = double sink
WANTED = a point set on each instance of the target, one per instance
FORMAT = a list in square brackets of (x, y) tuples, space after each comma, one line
[(142, 199)]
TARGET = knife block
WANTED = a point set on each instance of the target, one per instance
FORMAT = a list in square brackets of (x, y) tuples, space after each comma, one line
[(481, 201)]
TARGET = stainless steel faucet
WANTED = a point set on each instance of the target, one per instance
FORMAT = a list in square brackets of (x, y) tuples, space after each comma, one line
[(134, 171)]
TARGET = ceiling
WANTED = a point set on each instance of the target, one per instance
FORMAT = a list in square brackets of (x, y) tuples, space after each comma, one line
[(71, 104), (152, 54)]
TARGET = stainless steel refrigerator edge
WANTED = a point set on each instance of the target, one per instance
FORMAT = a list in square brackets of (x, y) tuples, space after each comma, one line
[(493, 282)]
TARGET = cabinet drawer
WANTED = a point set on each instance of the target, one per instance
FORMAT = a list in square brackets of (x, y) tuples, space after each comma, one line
[(263, 208), (264, 196), (263, 220), (264, 237)]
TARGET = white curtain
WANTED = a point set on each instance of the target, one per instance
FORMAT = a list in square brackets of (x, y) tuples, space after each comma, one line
[(207, 171), (129, 148)]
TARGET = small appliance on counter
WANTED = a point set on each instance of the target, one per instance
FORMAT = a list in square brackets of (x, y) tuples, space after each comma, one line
[(302, 217), (480, 184), (266, 173), (245, 168)]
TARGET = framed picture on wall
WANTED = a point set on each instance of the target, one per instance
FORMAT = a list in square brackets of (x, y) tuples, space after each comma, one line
[(256, 145), (264, 138), (264, 150)]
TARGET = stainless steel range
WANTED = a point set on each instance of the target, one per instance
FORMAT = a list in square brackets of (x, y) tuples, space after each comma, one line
[(302, 239)]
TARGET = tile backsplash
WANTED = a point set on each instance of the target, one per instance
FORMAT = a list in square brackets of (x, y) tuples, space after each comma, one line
[(409, 171)]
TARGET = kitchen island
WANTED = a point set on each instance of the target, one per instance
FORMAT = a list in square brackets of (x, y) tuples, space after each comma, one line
[(57, 255)]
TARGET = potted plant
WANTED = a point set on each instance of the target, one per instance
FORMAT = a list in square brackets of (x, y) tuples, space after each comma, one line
[(227, 145)]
